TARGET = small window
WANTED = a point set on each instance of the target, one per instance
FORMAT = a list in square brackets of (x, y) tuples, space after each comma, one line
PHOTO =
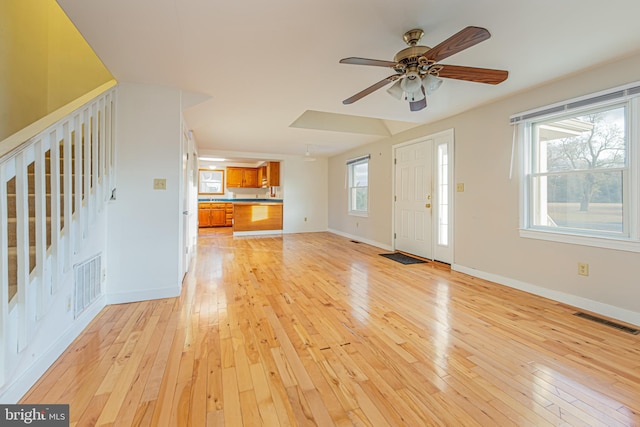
[(579, 177), (358, 170)]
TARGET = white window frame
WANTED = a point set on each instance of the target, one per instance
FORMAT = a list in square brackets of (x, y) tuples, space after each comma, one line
[(350, 185), (627, 96)]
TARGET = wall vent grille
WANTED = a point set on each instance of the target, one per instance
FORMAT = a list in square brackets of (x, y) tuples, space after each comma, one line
[(608, 323), (87, 283)]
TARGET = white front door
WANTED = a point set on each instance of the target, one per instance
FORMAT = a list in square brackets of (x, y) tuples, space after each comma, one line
[(413, 186), (423, 197)]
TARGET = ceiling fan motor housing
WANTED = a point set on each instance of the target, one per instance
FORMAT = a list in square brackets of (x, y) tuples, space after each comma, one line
[(412, 37), (412, 59)]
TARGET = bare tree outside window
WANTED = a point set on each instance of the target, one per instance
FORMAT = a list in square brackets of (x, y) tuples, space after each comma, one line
[(579, 167), (601, 146)]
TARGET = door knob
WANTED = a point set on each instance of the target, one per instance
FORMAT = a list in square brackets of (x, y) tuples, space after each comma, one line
[(428, 205)]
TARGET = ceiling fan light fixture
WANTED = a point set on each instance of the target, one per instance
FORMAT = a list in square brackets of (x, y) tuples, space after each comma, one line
[(396, 91), (307, 156), (411, 82), (431, 83), (414, 96)]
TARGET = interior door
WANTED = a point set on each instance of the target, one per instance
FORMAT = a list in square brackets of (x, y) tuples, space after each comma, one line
[(413, 199), (186, 185)]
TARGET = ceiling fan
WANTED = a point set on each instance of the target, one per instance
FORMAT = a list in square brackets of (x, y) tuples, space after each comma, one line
[(418, 71), (308, 157)]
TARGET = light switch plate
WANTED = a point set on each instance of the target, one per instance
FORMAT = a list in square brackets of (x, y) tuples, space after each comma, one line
[(159, 184)]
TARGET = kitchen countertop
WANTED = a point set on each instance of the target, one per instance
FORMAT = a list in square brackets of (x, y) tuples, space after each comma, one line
[(213, 200), (260, 203)]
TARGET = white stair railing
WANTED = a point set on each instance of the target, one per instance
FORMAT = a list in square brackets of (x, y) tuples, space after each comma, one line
[(53, 184)]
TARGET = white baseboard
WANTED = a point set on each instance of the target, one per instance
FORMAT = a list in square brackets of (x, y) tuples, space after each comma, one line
[(360, 239), (611, 311), (126, 297), (257, 233), (21, 385)]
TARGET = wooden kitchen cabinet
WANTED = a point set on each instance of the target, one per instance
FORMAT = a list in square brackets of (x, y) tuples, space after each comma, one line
[(215, 214), (203, 216), (269, 175), (242, 177), (250, 177), (229, 214), (252, 217), (273, 174), (262, 176), (235, 177)]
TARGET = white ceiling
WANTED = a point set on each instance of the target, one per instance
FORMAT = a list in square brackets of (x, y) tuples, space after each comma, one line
[(252, 68)]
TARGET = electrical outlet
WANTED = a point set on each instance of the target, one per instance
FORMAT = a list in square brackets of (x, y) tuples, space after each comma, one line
[(159, 184), (69, 303), (583, 269), (305, 219)]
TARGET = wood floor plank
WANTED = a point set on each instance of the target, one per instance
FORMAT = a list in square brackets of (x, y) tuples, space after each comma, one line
[(312, 329), (232, 406), (264, 400), (127, 376)]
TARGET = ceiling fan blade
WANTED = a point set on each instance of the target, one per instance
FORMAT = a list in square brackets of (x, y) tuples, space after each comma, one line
[(473, 74), (365, 61), (370, 89), (419, 105), (460, 41)]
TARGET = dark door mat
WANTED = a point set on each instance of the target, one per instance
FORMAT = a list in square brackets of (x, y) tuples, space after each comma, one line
[(403, 259)]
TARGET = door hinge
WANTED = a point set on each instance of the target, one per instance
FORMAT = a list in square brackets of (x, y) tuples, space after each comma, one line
[(394, 235), (395, 161), (395, 198)]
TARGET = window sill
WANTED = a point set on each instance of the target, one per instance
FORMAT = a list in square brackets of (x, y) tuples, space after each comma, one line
[(360, 214), (575, 239)]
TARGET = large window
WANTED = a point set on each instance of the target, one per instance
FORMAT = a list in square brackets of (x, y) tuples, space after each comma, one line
[(580, 166), (358, 171)]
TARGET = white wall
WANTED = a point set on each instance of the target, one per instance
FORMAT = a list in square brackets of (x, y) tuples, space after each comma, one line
[(145, 224), (305, 195), (487, 242)]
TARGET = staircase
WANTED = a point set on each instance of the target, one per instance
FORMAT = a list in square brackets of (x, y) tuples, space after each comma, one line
[(12, 214), (48, 204)]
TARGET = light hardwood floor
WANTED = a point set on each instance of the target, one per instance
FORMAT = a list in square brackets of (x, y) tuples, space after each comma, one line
[(313, 329)]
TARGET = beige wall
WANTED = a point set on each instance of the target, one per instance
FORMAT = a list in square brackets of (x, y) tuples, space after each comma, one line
[(44, 63), (487, 241), (377, 226)]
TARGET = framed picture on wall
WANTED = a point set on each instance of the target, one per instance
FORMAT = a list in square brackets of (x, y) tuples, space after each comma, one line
[(210, 181)]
